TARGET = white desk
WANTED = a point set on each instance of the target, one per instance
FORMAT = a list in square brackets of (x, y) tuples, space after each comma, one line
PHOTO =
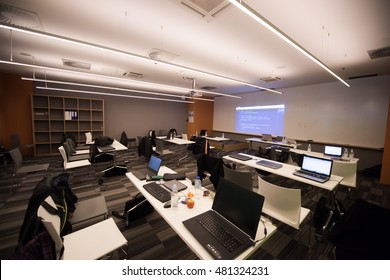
[(218, 139), (175, 217), (287, 171), (114, 169), (176, 140), (259, 140), (345, 168)]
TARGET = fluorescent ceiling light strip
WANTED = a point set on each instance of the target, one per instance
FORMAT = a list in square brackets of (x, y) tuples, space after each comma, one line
[(112, 88), (260, 19), (47, 68), (112, 94), (103, 48)]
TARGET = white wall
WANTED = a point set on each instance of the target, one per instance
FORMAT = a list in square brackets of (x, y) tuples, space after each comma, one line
[(330, 113)]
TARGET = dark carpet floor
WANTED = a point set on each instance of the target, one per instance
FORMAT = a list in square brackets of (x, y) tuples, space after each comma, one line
[(151, 237)]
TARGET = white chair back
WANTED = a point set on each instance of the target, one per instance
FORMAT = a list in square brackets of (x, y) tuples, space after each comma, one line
[(184, 136), (281, 203), (88, 137), (52, 224), (64, 156), (347, 170)]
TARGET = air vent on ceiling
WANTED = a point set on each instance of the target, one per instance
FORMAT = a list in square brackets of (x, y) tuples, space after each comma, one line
[(162, 55), (76, 64), (132, 75), (270, 79), (19, 17), (206, 8), (378, 53)]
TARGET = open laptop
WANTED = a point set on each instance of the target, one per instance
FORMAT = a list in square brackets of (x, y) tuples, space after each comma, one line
[(316, 169), (235, 215), (151, 170), (333, 151)]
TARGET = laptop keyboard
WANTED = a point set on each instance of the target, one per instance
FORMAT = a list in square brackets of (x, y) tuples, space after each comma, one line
[(309, 175), (219, 232), (158, 192)]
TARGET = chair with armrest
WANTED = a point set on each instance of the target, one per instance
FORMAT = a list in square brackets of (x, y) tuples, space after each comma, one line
[(72, 155), (283, 204), (25, 168), (72, 164), (93, 242), (241, 178)]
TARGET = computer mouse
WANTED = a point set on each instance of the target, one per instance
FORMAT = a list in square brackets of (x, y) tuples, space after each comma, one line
[(167, 204)]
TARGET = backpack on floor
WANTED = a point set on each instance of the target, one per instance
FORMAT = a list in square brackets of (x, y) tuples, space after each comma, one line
[(135, 209)]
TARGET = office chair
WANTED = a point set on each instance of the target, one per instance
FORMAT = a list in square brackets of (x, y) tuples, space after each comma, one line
[(160, 148), (241, 178), (362, 233), (73, 156), (72, 164), (93, 242), (203, 132), (19, 167), (211, 167)]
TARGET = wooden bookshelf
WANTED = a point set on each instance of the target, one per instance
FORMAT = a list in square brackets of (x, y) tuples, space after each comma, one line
[(55, 115)]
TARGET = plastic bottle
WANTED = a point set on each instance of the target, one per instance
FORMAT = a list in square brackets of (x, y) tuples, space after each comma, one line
[(309, 148), (174, 197), (351, 154), (198, 187), (345, 153)]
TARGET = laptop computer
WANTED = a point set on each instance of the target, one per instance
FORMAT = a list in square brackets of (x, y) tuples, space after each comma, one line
[(151, 170), (240, 157), (235, 217), (169, 185), (316, 169), (333, 151)]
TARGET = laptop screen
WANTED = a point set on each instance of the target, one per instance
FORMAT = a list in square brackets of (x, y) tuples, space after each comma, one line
[(318, 165), (240, 206), (333, 151), (154, 164)]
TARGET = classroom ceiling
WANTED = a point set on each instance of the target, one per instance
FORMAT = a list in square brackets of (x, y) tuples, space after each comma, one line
[(351, 37)]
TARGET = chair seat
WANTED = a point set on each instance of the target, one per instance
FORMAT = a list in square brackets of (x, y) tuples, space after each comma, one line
[(75, 164), (280, 217), (33, 168), (93, 242), (89, 209)]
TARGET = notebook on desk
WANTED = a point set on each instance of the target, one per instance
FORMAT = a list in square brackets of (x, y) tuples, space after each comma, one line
[(151, 170), (316, 169), (240, 157), (233, 219)]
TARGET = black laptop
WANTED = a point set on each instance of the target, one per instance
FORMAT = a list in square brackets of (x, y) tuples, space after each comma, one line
[(315, 168), (230, 227), (151, 170)]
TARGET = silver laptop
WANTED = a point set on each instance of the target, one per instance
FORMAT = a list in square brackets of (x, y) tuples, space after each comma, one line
[(151, 170), (316, 169), (333, 151), (180, 186)]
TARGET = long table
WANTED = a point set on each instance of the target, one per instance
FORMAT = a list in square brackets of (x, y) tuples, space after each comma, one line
[(175, 217), (287, 171)]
